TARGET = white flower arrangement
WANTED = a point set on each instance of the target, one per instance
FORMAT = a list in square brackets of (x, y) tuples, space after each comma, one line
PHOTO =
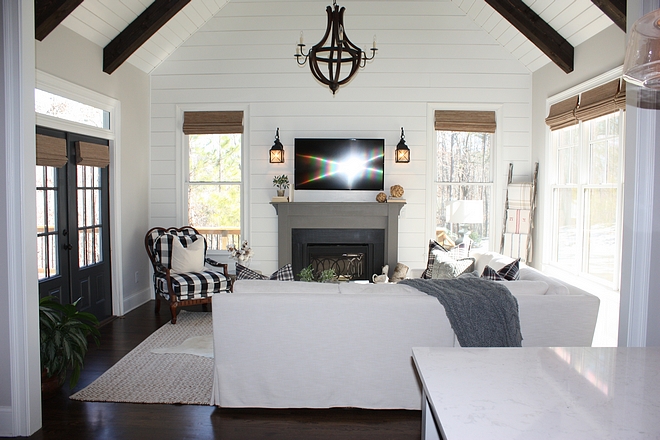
[(243, 254)]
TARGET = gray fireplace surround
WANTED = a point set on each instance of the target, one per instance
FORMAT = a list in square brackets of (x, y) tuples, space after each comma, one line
[(333, 216)]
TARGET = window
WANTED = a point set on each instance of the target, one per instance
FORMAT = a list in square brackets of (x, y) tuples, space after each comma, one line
[(586, 191), (57, 106), (464, 177), (215, 177)]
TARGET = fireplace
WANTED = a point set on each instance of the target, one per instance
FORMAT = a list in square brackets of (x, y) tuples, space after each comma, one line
[(352, 253), (357, 236)]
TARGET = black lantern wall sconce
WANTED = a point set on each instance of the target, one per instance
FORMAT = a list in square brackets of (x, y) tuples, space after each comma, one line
[(402, 152), (277, 150)]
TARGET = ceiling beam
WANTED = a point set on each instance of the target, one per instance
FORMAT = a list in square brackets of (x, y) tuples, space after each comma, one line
[(49, 13), (523, 18), (139, 31), (615, 10)]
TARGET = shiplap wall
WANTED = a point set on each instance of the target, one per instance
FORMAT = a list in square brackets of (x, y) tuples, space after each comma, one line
[(431, 55)]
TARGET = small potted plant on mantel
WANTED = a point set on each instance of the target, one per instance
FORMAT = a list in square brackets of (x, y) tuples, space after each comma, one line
[(63, 342), (281, 183)]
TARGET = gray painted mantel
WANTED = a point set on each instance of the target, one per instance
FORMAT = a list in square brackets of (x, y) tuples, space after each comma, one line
[(338, 215)]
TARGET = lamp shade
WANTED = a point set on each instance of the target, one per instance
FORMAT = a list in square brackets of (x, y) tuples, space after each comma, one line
[(642, 62), (465, 211)]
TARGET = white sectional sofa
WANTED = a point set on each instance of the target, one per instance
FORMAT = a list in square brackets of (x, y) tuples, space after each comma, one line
[(309, 345)]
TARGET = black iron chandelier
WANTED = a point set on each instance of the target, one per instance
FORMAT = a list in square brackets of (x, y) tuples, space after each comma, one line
[(334, 50)]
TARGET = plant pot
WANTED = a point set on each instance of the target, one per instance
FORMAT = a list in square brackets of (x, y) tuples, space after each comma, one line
[(50, 385), (280, 193)]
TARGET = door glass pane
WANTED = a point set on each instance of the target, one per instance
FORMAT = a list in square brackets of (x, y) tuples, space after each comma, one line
[(47, 228), (565, 245), (89, 215), (600, 232)]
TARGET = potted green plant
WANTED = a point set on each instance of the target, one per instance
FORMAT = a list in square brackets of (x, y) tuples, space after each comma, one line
[(63, 341), (281, 183)]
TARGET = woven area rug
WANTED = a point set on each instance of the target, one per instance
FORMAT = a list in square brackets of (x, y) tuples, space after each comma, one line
[(145, 377)]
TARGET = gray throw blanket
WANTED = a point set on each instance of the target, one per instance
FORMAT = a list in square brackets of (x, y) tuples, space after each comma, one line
[(481, 312)]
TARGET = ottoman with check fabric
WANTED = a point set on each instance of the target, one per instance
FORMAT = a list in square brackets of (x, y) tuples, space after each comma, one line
[(183, 288)]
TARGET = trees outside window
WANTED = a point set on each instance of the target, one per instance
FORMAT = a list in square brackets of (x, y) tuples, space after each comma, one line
[(464, 171), (215, 183)]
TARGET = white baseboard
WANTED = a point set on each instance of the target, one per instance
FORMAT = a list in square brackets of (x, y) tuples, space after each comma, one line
[(137, 299), (6, 422)]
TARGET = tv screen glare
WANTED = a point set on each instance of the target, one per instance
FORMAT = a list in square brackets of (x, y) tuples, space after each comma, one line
[(339, 164)]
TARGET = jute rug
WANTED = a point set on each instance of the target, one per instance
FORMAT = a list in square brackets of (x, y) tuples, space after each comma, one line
[(172, 377)]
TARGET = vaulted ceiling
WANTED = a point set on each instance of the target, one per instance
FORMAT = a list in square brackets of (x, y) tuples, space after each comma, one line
[(145, 32)]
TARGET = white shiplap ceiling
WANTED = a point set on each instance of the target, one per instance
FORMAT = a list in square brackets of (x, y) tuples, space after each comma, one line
[(100, 21)]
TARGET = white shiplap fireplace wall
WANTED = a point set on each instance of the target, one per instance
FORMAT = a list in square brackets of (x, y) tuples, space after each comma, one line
[(430, 56)]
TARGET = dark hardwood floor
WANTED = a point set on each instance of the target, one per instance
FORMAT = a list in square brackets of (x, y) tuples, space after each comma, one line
[(68, 419)]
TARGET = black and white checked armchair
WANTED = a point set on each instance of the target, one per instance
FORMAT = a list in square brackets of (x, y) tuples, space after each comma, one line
[(188, 288)]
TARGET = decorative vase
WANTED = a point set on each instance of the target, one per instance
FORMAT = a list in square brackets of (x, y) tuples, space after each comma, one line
[(280, 193), (50, 385)]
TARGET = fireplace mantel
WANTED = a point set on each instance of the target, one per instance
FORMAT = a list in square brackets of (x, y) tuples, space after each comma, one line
[(338, 215)]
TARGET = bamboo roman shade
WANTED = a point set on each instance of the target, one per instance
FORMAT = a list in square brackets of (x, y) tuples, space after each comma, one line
[(562, 114), (212, 122), (51, 151), (598, 101), (92, 155), (465, 120)]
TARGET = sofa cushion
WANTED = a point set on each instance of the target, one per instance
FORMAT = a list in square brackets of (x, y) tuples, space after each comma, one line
[(378, 289), (435, 248), (270, 286), (526, 287)]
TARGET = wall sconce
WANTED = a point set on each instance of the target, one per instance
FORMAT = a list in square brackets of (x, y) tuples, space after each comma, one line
[(402, 152), (277, 150)]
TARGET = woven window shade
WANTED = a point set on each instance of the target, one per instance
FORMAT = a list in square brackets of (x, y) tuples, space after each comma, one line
[(620, 98), (92, 155), (562, 114), (597, 102), (212, 122), (458, 120), (51, 151)]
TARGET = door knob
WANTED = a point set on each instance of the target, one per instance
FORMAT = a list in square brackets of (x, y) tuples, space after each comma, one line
[(67, 247)]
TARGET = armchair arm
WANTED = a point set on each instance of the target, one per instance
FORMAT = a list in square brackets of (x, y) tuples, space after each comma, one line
[(224, 266)]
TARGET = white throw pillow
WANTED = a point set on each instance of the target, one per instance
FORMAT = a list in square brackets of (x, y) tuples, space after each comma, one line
[(190, 259)]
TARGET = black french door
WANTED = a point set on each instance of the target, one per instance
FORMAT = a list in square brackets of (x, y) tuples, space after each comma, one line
[(73, 233)]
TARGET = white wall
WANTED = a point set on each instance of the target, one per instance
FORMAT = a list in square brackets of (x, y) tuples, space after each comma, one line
[(430, 56), (68, 56)]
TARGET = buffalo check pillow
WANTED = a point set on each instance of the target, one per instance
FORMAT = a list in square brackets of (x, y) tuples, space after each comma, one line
[(510, 272), (434, 248), (284, 273)]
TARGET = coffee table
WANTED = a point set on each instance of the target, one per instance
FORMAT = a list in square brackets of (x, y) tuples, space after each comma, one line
[(540, 393)]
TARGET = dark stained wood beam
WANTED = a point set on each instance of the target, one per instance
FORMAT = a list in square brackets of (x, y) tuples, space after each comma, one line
[(139, 31), (49, 13), (615, 10), (523, 18)]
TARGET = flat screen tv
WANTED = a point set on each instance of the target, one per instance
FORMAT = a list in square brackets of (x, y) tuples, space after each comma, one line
[(339, 164)]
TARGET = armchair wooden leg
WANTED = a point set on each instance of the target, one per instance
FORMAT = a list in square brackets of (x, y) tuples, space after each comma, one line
[(173, 310), (157, 309)]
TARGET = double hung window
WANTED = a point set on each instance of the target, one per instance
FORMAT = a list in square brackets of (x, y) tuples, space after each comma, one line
[(587, 152), (464, 176), (214, 184)]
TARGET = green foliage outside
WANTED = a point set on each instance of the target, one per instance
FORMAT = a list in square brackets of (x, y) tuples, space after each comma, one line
[(214, 193)]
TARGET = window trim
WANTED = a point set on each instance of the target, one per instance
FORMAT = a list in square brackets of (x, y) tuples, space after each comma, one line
[(181, 184), (499, 180), (549, 235)]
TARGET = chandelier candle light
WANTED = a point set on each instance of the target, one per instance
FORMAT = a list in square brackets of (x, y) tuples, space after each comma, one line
[(333, 50)]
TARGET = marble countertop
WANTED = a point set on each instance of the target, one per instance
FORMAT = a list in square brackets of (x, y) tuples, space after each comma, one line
[(543, 393)]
